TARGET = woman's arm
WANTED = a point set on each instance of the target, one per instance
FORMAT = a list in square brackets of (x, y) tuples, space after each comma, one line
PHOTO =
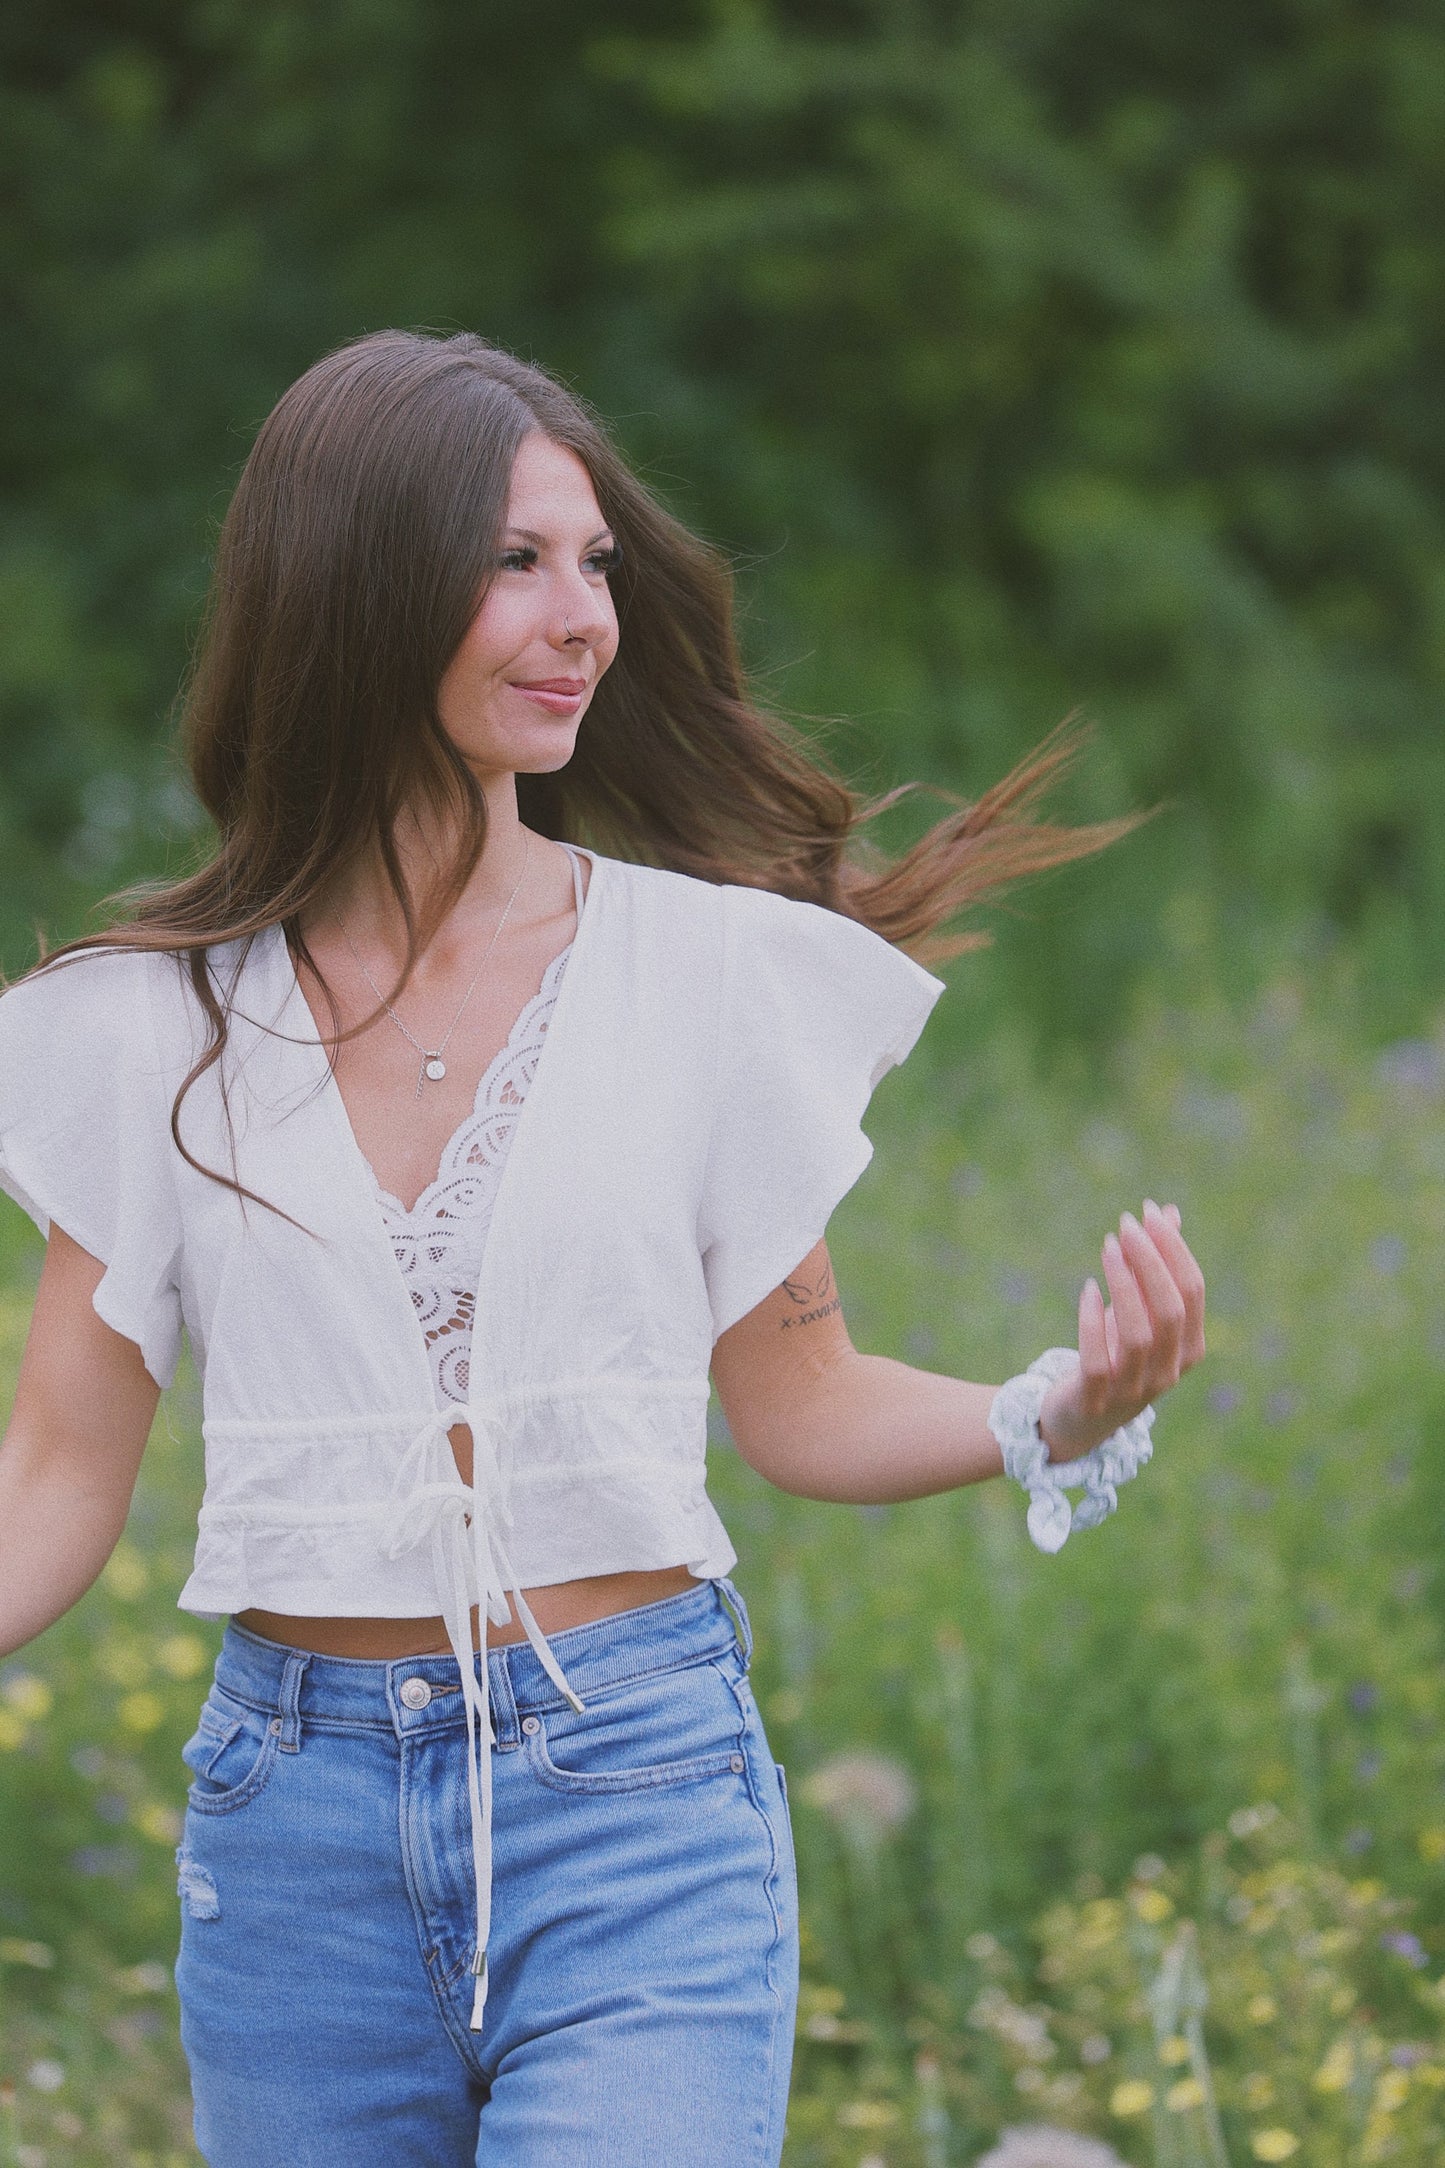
[(819, 1419), (83, 1409)]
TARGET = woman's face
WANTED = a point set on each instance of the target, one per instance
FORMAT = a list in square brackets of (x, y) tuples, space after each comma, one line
[(512, 696)]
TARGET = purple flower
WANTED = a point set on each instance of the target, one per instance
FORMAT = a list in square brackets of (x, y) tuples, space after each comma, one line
[(1356, 1841), (1400, 1943), (1363, 1697), (1368, 1767), (1224, 1399), (1281, 1405)]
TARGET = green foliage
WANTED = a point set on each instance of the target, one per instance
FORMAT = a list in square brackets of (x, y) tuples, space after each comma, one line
[(1026, 356), (988, 1750)]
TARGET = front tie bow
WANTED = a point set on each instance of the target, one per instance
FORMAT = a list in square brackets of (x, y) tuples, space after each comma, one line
[(430, 1501)]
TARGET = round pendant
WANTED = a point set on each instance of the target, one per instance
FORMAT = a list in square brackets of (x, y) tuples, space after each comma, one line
[(436, 1069)]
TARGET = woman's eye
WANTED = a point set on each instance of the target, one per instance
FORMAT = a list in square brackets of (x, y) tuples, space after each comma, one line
[(607, 560), (517, 560)]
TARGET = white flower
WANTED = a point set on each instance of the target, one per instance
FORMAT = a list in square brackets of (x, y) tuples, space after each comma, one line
[(46, 2076), (1043, 2145), (865, 1789)]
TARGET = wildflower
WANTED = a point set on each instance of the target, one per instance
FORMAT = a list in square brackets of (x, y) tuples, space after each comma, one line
[(142, 1711), (183, 1656), (1401, 1943), (1274, 2145), (1097, 2048), (28, 1696), (12, 1731), (1356, 1841), (1132, 2097), (1258, 2090), (161, 1824), (1368, 1767), (1432, 1845), (1392, 2090), (1249, 1821), (149, 1978), (1363, 1697), (1044, 2145), (1337, 2069), (1224, 1399), (1188, 2093), (126, 1574), (1150, 1905), (867, 2114), (1174, 2050), (1023, 2030), (865, 1790), (46, 2076), (1261, 2009)]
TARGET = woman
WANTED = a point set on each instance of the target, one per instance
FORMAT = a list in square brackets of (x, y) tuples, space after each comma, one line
[(455, 1298)]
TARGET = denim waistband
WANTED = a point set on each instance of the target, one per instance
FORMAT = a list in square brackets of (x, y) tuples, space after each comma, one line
[(298, 1684)]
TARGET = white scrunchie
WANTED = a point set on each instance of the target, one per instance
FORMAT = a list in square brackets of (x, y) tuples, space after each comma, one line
[(1014, 1421)]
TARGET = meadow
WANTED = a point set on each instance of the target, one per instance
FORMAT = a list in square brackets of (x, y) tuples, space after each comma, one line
[(1139, 1847)]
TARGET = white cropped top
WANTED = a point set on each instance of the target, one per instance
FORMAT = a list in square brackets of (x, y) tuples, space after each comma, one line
[(690, 1123)]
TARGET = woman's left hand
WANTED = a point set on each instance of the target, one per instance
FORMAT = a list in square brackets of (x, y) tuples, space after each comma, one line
[(1141, 1344)]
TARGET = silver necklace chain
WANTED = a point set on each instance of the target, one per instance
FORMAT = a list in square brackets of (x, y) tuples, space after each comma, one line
[(433, 1068)]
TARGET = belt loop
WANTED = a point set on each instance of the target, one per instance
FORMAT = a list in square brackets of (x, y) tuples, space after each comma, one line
[(296, 1664), (733, 1604), (504, 1700)]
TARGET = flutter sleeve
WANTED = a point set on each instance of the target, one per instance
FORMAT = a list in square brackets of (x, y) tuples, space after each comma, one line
[(85, 1138), (815, 1009)]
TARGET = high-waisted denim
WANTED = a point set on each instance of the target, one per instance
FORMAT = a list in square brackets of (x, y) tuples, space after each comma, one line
[(643, 1960)]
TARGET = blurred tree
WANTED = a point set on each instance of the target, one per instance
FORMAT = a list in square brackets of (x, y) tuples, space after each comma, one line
[(1027, 355)]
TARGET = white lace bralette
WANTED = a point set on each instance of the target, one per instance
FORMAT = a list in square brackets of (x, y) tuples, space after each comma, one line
[(438, 1244)]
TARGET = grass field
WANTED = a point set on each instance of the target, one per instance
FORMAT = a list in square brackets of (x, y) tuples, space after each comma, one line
[(1145, 1841)]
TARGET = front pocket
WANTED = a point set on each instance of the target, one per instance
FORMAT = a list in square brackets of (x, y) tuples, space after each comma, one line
[(230, 1755), (677, 1727)]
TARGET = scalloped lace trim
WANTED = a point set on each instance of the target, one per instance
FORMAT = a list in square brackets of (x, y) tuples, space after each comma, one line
[(438, 1244)]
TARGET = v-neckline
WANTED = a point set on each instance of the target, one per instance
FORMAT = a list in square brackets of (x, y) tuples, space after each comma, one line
[(358, 1168)]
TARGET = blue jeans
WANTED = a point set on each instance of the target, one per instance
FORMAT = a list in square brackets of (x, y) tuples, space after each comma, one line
[(643, 1962)]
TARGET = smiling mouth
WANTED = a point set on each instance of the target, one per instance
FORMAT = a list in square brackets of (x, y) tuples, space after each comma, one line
[(565, 688)]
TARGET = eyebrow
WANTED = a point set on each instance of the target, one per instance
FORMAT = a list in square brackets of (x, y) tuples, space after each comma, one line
[(541, 539)]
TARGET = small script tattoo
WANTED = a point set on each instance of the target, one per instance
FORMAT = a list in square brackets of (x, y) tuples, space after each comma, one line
[(799, 1292)]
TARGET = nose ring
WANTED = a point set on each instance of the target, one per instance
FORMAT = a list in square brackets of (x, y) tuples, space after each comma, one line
[(568, 629)]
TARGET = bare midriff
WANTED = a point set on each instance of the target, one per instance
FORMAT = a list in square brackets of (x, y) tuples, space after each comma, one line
[(563, 1604)]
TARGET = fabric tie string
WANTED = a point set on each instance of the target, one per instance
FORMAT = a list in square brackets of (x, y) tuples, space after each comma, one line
[(465, 1525)]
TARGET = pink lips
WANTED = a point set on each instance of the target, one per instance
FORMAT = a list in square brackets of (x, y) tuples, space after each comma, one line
[(559, 695)]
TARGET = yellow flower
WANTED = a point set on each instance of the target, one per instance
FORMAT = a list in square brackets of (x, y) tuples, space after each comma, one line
[(1343, 1999), (1367, 1892), (1432, 1845), (161, 1824), (1150, 1905), (867, 2114), (12, 1731), (1274, 2145), (1431, 2074), (1131, 2098), (1258, 2090), (141, 1712), (1261, 2010), (1391, 2091), (182, 1655), (125, 1663), (1337, 2069), (126, 1575), (1188, 2093), (1174, 2050), (28, 1696)]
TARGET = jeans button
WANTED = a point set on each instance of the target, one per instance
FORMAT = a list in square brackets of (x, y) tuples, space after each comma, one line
[(531, 1724), (415, 1693), (737, 1764)]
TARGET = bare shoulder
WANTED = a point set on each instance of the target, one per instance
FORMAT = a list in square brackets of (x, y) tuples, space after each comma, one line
[(778, 1350)]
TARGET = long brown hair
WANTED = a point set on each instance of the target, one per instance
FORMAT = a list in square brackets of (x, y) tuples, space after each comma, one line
[(355, 553)]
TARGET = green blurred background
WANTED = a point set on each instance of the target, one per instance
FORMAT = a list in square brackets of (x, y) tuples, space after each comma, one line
[(1063, 354)]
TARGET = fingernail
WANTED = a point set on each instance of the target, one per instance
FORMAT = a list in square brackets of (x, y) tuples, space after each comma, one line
[(1149, 1206), (1127, 1219)]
